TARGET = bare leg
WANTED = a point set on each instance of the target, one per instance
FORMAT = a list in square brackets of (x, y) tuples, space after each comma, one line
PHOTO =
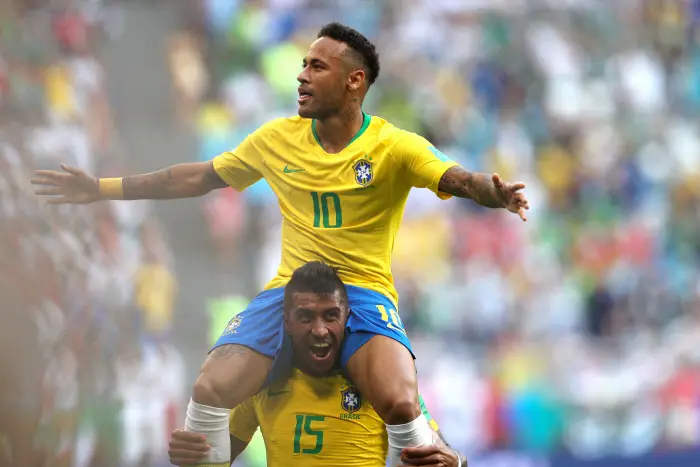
[(384, 372)]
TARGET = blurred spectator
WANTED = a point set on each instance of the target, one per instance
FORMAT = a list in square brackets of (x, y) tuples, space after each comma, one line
[(66, 273), (189, 73), (154, 286)]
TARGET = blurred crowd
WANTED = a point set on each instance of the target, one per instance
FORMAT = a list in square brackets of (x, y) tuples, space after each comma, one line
[(89, 376), (574, 332)]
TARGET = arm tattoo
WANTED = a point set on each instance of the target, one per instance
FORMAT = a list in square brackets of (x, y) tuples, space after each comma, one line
[(147, 186), (226, 351), (476, 186), (212, 180), (178, 181)]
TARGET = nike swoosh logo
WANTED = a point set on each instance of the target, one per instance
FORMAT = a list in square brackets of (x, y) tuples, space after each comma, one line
[(272, 393), (287, 170)]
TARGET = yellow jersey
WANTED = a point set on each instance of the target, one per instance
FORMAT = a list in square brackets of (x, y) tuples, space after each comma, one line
[(310, 421), (343, 209)]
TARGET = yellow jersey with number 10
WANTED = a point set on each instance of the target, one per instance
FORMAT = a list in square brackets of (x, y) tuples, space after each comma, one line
[(343, 209), (309, 421)]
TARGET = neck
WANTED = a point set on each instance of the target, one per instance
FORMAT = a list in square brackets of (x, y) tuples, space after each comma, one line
[(333, 372), (337, 131)]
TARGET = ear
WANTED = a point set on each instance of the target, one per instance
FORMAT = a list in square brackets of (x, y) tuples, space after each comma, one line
[(356, 79)]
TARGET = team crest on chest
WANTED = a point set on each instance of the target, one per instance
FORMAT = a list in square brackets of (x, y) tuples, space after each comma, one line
[(351, 399), (364, 173)]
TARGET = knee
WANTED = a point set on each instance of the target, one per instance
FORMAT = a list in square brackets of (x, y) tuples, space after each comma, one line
[(402, 409)]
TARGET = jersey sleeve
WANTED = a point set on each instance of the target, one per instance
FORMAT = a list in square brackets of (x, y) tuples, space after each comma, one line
[(243, 166), (422, 162), (423, 408), (242, 420)]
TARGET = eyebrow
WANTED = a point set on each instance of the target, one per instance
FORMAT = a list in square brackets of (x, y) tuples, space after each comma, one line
[(313, 61)]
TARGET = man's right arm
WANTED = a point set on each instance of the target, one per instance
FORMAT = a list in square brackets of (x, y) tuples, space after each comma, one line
[(178, 181), (239, 169)]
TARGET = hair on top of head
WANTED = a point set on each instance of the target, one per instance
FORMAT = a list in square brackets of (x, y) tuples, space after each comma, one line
[(314, 277), (358, 44)]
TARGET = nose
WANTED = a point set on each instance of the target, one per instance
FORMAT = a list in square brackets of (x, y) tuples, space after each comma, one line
[(303, 77), (319, 329)]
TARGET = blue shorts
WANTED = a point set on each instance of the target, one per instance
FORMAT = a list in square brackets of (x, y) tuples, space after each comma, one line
[(261, 327)]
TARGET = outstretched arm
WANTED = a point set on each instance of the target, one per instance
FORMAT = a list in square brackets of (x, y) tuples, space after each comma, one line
[(487, 190), (73, 186), (178, 181), (426, 166)]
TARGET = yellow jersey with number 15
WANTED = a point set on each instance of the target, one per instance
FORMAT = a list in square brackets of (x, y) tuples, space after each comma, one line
[(309, 421), (343, 209)]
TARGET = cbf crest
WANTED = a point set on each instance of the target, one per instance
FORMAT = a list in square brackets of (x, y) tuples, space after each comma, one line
[(233, 325), (364, 173), (351, 399)]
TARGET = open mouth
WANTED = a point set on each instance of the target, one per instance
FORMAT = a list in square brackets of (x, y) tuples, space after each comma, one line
[(320, 351), (304, 96)]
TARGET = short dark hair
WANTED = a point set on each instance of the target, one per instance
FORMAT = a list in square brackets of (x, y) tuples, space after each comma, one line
[(314, 277), (362, 49)]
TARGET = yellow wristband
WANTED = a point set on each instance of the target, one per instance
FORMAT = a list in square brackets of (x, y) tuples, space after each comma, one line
[(111, 188)]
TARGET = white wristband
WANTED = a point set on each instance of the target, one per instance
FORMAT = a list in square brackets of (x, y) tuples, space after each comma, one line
[(459, 459)]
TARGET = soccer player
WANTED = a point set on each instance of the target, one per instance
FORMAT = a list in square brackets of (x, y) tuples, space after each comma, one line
[(313, 417), (342, 178)]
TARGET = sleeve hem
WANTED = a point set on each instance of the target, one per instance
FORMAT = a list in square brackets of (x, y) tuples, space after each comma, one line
[(221, 171), (441, 194)]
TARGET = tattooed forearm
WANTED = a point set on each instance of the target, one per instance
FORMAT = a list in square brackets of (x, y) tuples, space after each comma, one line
[(226, 351), (148, 186), (178, 181), (476, 186)]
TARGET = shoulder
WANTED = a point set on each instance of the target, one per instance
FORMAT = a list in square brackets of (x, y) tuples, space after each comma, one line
[(384, 131), (285, 126), (397, 140)]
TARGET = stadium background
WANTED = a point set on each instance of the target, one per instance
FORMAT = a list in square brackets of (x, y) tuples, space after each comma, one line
[(570, 340)]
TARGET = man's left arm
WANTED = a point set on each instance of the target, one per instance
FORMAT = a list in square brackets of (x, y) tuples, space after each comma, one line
[(426, 166), (487, 190)]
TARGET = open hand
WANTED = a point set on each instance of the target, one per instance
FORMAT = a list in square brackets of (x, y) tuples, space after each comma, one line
[(187, 448), (71, 186), (511, 197)]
